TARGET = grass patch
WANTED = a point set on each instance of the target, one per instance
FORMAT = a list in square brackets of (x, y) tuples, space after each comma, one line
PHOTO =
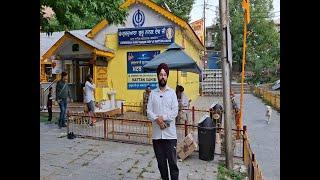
[(62, 136), (150, 164), (143, 170), (135, 163), (143, 153), (224, 173), (85, 164), (127, 159), (44, 118), (133, 166)]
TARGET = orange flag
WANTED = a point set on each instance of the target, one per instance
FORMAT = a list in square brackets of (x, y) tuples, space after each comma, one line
[(246, 7)]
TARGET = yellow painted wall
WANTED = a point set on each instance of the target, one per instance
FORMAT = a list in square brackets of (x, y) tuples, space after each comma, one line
[(117, 69)]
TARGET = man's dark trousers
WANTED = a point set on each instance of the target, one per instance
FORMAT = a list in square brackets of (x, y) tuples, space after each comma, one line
[(165, 149)]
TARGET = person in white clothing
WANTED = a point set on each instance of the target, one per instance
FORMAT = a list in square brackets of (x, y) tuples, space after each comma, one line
[(162, 109), (184, 103), (89, 89)]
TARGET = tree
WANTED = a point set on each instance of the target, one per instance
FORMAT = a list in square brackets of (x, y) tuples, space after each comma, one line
[(263, 47), (80, 14), (181, 8)]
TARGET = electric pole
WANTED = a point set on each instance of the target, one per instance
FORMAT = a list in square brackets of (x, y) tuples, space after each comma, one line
[(204, 23), (204, 33), (224, 19)]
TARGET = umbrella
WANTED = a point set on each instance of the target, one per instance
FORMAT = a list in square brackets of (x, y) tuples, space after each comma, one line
[(176, 58)]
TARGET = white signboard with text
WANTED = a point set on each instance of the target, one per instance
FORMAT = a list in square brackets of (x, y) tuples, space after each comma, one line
[(56, 66)]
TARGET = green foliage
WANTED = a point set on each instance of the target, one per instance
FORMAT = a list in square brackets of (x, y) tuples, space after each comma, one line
[(181, 8), (81, 14), (223, 173), (263, 40), (85, 14)]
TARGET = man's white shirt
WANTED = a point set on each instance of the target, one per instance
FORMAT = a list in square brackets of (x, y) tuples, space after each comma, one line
[(163, 104), (88, 89)]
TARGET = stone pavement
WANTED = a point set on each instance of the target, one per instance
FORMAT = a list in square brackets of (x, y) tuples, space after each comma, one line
[(264, 138), (61, 158)]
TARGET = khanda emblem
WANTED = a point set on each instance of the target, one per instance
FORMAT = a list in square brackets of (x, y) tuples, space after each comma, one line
[(138, 18)]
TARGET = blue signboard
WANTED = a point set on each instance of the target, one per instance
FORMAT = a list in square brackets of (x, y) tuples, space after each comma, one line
[(146, 35), (137, 79)]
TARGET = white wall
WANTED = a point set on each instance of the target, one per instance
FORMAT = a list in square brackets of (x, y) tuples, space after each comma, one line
[(66, 48)]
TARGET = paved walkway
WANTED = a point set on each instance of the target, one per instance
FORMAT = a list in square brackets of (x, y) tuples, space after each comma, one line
[(264, 138), (61, 158)]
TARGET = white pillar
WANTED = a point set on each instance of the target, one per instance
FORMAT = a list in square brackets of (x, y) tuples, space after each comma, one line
[(112, 95)]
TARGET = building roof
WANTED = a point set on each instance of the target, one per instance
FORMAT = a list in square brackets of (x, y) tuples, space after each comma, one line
[(49, 47), (197, 21), (90, 42), (46, 42)]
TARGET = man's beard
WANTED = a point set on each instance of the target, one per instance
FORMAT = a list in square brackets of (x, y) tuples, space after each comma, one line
[(162, 83)]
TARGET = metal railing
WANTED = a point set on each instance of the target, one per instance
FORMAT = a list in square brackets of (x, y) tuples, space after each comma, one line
[(44, 93), (254, 171), (130, 125), (133, 128), (110, 128), (272, 98)]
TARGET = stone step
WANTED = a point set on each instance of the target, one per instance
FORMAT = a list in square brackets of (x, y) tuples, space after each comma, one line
[(236, 88), (236, 85), (239, 89)]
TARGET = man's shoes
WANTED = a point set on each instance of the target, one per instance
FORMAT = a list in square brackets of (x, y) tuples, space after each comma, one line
[(91, 124), (64, 125), (71, 135)]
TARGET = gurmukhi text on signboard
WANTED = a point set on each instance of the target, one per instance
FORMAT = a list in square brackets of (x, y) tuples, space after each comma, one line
[(146, 35)]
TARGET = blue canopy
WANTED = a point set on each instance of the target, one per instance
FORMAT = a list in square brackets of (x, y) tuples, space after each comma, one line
[(175, 58)]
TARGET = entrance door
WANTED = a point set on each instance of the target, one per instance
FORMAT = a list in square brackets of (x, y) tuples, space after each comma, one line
[(82, 70)]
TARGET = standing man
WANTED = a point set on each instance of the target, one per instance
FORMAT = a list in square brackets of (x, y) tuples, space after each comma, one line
[(185, 104), (49, 104), (62, 93), (89, 97), (145, 99), (162, 110)]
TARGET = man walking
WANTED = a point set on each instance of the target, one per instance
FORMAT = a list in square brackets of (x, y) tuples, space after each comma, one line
[(62, 93), (89, 97), (162, 110)]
